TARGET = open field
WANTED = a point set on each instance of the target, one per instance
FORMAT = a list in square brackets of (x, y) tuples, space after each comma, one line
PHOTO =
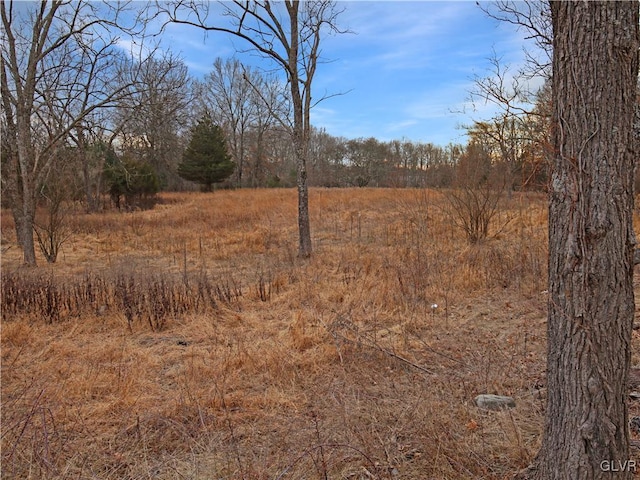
[(189, 342)]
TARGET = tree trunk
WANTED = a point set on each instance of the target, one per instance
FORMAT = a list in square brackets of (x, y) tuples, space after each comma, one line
[(91, 198), (22, 210), (300, 135), (28, 186), (25, 230), (591, 242), (304, 228)]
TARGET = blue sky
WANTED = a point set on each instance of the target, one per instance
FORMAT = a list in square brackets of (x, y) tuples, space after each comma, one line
[(406, 69)]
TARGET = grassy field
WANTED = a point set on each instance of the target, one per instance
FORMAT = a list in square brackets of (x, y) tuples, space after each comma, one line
[(190, 342)]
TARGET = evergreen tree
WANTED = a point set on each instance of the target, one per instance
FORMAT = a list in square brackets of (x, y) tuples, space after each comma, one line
[(206, 160)]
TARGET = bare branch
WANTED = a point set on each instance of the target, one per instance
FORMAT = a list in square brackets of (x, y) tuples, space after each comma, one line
[(57, 63), (290, 37), (534, 17)]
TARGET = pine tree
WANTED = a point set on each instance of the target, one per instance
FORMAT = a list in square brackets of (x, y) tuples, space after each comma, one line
[(206, 160)]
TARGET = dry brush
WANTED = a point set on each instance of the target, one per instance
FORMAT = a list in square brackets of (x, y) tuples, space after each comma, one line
[(191, 342)]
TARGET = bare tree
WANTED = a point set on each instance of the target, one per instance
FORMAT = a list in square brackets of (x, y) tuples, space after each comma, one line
[(479, 186), (289, 34), (520, 127), (534, 17), (102, 67), (512, 92), (517, 93), (591, 241), (271, 103), (247, 104), (156, 112), (51, 223), (51, 80), (229, 95), (507, 142)]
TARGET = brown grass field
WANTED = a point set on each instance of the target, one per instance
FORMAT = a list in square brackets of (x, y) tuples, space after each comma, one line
[(190, 342)]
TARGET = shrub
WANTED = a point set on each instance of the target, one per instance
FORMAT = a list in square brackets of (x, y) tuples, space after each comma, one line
[(136, 180)]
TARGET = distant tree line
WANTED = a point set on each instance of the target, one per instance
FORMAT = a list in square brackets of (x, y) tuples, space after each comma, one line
[(133, 148), (246, 106)]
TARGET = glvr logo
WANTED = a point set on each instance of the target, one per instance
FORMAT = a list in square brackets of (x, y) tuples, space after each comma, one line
[(618, 466)]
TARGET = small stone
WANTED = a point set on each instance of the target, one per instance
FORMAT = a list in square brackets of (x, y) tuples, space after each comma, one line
[(494, 402)]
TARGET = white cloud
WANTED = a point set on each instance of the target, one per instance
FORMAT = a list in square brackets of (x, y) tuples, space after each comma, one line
[(136, 49), (401, 125), (408, 67)]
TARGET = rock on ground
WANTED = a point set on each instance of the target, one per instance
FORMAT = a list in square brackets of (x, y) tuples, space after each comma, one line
[(494, 402)]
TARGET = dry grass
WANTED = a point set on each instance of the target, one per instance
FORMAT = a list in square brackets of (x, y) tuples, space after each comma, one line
[(190, 342)]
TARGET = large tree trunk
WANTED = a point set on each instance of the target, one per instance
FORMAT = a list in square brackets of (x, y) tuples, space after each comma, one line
[(591, 241)]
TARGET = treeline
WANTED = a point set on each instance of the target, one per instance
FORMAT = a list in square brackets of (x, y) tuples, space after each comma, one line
[(131, 150)]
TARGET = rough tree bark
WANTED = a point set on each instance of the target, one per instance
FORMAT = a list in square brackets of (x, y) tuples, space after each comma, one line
[(591, 242)]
